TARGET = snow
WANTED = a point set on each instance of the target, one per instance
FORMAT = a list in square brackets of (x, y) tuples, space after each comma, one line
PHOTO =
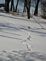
[(18, 34)]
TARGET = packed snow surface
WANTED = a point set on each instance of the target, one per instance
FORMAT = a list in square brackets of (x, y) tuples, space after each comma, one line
[(22, 39)]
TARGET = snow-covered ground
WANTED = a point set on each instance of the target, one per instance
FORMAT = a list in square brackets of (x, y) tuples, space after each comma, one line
[(22, 39)]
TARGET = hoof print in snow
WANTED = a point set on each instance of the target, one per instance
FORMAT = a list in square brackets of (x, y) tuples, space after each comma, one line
[(28, 27)]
